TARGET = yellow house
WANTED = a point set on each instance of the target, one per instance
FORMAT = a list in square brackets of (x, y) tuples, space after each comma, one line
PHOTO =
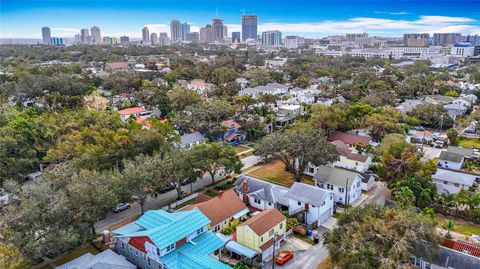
[(257, 233)]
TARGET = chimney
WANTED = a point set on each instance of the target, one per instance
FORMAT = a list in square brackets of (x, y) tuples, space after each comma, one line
[(245, 186)]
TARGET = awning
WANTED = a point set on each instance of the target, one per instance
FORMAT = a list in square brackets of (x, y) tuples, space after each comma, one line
[(240, 250), (241, 213)]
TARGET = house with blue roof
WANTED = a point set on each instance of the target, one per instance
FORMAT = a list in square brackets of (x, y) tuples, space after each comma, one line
[(163, 240)]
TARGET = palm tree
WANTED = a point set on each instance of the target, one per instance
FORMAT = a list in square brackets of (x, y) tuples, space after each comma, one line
[(449, 225), (404, 196)]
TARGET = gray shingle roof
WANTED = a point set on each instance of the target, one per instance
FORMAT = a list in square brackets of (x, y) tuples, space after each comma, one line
[(263, 190), (451, 156), (335, 176), (187, 139), (307, 194), (103, 260), (459, 150)]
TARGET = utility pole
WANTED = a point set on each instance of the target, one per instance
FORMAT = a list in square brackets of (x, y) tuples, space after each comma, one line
[(273, 257), (441, 122), (346, 192)]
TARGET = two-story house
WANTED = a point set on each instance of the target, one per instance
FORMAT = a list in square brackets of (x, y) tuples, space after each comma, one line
[(453, 181), (314, 204), (159, 239), (261, 231), (221, 210), (134, 112), (233, 135), (259, 194), (345, 184)]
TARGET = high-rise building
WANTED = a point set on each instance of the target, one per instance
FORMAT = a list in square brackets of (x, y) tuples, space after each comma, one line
[(124, 40), (442, 39), (154, 39), (235, 37), (108, 40), (77, 38), (217, 28), (46, 35), (225, 31), (291, 42), (84, 36), (206, 34), (96, 36), (353, 37), (193, 37), (475, 39), (145, 35), (249, 27), (175, 30), (272, 39), (416, 40), (163, 39), (184, 31), (58, 41)]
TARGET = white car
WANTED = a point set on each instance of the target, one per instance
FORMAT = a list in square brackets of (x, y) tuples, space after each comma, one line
[(120, 207)]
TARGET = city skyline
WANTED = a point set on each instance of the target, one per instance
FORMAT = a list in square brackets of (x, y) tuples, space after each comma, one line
[(317, 19)]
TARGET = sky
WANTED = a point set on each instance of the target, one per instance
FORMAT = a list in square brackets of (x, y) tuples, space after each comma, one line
[(24, 18)]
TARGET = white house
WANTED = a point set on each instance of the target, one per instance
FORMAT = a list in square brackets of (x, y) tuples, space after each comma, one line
[(345, 184), (134, 112), (270, 88), (368, 180), (453, 181), (260, 194), (315, 203), (198, 85), (189, 140), (451, 160)]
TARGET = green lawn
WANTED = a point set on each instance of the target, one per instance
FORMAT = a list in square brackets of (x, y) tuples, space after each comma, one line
[(462, 227), (469, 143), (239, 149), (275, 172)]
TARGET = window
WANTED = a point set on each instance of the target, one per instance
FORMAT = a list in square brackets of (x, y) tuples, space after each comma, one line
[(427, 266), (312, 206), (148, 262), (158, 252), (269, 203), (171, 247), (331, 197), (123, 246), (261, 239), (341, 190), (445, 182), (457, 185), (256, 200), (299, 203), (136, 253), (324, 201), (270, 233), (216, 228), (130, 249), (281, 225), (328, 186), (321, 186), (358, 184), (225, 222), (199, 231)]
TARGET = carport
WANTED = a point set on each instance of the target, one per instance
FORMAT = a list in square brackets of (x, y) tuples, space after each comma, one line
[(241, 250)]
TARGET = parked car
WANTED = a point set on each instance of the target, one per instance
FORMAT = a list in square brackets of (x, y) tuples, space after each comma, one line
[(284, 256), (187, 181), (167, 188), (120, 207)]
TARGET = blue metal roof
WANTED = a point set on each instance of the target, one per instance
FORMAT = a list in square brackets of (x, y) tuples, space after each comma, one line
[(240, 249), (128, 229), (165, 228), (196, 255)]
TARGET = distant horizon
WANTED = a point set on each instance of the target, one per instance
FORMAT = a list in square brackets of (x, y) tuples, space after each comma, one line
[(24, 19)]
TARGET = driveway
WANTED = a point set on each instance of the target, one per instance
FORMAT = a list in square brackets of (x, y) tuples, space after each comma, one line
[(430, 153), (308, 259)]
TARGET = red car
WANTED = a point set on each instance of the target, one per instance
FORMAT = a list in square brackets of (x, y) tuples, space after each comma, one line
[(284, 256)]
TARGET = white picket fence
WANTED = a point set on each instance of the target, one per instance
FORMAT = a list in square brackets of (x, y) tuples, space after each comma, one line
[(179, 202)]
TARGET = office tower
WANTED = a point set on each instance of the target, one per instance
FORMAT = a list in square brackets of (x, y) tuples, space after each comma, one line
[(145, 35), (108, 40), (193, 37), (96, 36), (475, 39), (57, 41), (416, 40), (184, 31), (291, 42), (443, 39), (163, 39), (78, 38), (235, 37), (249, 27), (353, 37), (272, 39), (206, 34), (124, 40), (154, 39), (84, 33), (225, 31), (175, 30), (217, 28), (46, 35)]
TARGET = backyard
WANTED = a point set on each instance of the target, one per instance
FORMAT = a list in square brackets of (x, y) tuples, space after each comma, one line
[(275, 172), (461, 226), (469, 143)]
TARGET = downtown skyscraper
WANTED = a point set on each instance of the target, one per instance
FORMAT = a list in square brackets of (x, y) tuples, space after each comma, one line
[(184, 31), (175, 30), (46, 35), (218, 30), (272, 39), (145, 35), (85, 37), (249, 27), (96, 36)]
